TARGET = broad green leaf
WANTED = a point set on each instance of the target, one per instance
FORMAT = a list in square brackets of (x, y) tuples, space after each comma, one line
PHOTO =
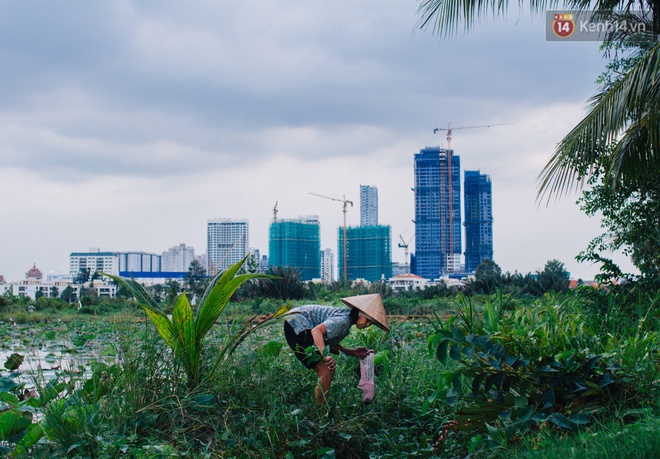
[(562, 421), (476, 383), (9, 399), (441, 352), (33, 434), (13, 422), (548, 397), (455, 352), (14, 361), (7, 384), (578, 419)]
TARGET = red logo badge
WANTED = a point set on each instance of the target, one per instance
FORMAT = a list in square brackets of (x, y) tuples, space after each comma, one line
[(564, 25)]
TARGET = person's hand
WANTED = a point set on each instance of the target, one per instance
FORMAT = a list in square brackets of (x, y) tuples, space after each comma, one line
[(330, 363), (362, 352)]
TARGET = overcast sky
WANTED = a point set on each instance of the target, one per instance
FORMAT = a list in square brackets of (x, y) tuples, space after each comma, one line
[(127, 125)]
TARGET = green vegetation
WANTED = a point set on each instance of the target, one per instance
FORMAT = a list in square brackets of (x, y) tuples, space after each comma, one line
[(185, 332), (500, 375)]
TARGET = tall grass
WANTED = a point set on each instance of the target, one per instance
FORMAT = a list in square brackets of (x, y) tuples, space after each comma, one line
[(260, 403), (613, 440)]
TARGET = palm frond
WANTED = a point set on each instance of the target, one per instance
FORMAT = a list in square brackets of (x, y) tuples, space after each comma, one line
[(137, 290), (445, 16), (627, 110)]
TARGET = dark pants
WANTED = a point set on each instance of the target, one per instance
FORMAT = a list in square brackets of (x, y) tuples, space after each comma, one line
[(299, 343)]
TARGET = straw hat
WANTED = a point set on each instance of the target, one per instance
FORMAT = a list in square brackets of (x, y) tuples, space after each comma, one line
[(371, 306)]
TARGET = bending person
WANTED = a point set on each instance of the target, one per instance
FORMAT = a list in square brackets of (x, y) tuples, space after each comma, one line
[(322, 326)]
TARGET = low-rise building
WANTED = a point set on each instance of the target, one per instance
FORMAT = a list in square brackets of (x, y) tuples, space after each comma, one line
[(407, 282)]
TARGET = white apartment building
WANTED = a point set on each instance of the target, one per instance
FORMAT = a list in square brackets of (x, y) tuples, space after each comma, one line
[(327, 266), (227, 243), (177, 258), (95, 260)]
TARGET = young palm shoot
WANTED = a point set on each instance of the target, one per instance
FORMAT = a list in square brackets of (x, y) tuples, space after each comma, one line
[(185, 333)]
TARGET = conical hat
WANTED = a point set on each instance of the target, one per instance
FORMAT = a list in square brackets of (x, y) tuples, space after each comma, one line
[(371, 306)]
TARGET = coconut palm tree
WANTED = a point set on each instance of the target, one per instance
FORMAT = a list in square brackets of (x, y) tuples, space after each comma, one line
[(623, 120)]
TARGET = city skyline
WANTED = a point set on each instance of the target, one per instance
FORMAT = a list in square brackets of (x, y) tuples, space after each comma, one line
[(127, 125)]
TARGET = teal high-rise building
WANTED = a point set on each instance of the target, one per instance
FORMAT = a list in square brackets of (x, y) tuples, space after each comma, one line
[(368, 252), (296, 243)]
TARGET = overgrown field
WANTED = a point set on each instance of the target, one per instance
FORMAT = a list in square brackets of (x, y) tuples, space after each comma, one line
[(492, 376)]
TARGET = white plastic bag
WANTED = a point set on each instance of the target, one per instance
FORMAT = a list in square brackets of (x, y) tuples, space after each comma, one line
[(367, 380)]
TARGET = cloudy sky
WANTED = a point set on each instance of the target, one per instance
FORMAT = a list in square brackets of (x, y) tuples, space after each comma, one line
[(126, 125)]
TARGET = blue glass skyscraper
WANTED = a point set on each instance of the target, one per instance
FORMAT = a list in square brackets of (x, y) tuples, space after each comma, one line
[(437, 212), (478, 219)]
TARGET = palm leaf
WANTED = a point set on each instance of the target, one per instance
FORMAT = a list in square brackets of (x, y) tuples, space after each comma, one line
[(137, 290), (628, 110), (184, 331), (163, 325), (216, 297)]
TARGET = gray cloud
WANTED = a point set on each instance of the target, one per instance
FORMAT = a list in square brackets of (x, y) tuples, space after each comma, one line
[(169, 98)]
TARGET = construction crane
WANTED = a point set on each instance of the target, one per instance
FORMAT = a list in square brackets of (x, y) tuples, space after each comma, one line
[(275, 212), (345, 201), (449, 130), (404, 245)]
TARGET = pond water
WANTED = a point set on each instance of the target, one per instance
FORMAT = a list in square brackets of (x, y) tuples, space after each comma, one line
[(50, 348)]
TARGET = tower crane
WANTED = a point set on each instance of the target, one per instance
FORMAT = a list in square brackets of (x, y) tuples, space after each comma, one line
[(275, 212), (345, 201), (449, 130), (404, 245)]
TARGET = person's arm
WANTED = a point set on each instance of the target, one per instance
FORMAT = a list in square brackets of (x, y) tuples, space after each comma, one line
[(318, 335), (360, 352)]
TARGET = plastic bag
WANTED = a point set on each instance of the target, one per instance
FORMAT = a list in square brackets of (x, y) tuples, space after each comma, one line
[(367, 380)]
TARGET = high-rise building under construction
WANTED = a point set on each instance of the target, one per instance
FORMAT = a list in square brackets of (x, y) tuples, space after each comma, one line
[(437, 212), (368, 205), (368, 252), (296, 243), (478, 219)]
